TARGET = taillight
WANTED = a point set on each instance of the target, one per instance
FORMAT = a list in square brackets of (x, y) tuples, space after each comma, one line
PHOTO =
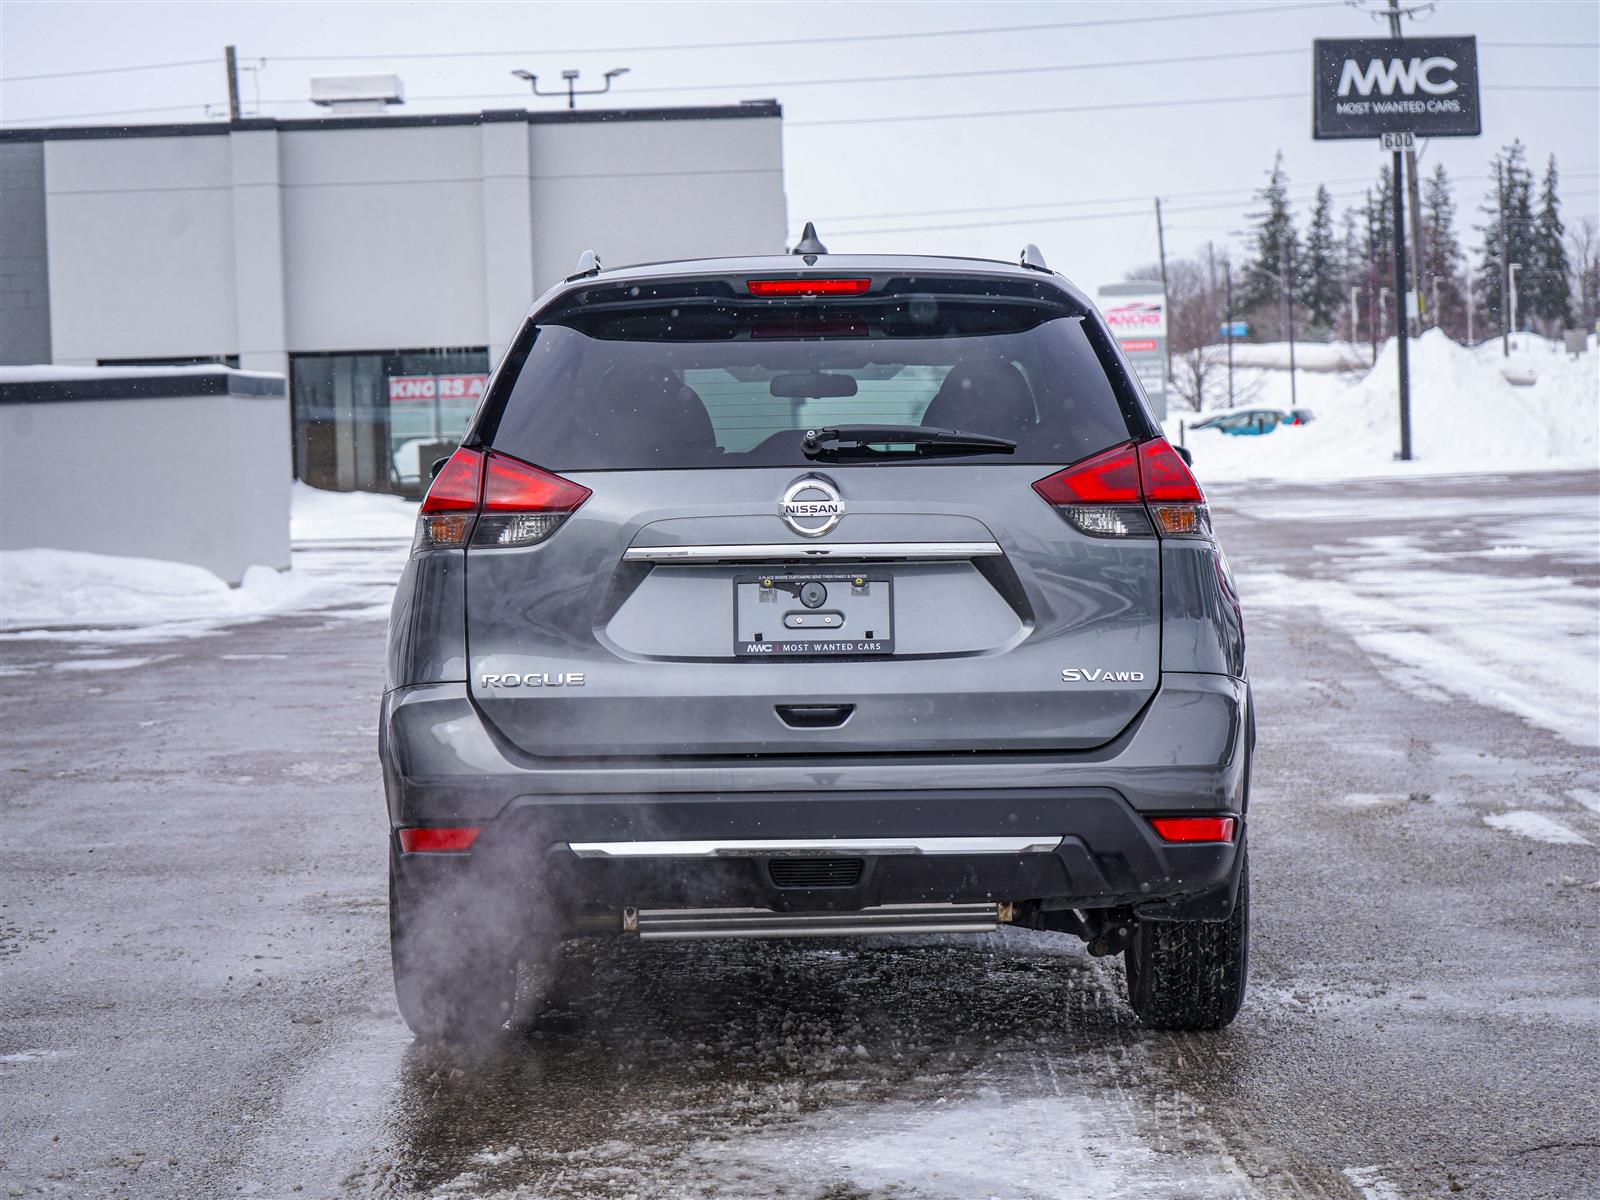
[(522, 504), (808, 287), (438, 840), (1132, 490), (493, 500), (1194, 829), (451, 503)]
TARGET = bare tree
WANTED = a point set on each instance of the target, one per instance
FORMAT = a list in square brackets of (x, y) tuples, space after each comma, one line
[(1584, 237)]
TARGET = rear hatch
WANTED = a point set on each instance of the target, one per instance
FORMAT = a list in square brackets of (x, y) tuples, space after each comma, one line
[(761, 547)]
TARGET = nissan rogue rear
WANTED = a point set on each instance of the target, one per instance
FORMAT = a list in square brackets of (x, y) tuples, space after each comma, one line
[(815, 595)]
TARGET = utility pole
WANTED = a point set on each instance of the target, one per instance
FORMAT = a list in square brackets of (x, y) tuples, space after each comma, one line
[(1472, 303), (1515, 267), (1413, 187), (1166, 299), (1505, 257), (232, 59), (1355, 314), (1227, 274), (1288, 308)]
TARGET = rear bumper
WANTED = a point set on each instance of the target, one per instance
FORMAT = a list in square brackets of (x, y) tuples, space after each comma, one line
[(1082, 816)]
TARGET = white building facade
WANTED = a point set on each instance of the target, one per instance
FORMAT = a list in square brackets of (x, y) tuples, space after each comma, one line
[(381, 263)]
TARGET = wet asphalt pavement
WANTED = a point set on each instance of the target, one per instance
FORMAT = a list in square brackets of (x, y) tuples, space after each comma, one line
[(195, 1000)]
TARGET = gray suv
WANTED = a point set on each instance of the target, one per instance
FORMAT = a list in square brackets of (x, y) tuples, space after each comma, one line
[(815, 595)]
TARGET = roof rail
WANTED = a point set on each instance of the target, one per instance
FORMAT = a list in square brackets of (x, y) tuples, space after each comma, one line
[(809, 242), (588, 264), (1033, 258)]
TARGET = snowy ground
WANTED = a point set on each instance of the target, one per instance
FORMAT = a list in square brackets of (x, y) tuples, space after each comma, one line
[(197, 1000), (347, 552), (1465, 415), (1501, 607)]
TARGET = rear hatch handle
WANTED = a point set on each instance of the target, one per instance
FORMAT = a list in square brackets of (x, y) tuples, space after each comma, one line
[(814, 716)]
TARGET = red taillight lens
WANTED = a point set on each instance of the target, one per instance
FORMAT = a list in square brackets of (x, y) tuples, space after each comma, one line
[(1165, 476), (808, 287), (494, 501), (1132, 490), (451, 504), (1194, 829), (451, 840), (1110, 477), (457, 485), (523, 505)]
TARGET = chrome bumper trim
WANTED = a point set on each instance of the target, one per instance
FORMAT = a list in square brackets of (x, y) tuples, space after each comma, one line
[(682, 924), (814, 847), (802, 553)]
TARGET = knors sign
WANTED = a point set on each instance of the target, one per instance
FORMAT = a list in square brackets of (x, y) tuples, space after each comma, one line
[(1364, 87)]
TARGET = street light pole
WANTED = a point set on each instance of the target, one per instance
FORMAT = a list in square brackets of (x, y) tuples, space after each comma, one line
[(1288, 304), (1227, 272), (570, 78)]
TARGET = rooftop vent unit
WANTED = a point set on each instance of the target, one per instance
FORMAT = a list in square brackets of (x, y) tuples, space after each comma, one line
[(347, 94)]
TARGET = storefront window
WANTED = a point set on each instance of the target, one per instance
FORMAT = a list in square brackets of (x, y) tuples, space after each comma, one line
[(377, 421)]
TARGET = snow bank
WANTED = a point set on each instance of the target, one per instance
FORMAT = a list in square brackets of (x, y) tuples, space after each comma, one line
[(1308, 356), (316, 515), (1464, 417), (69, 587)]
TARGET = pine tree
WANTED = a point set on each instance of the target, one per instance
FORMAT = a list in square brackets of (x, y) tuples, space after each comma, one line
[(1376, 218), (1321, 285), (1549, 294), (1442, 258), (1512, 189), (1261, 294)]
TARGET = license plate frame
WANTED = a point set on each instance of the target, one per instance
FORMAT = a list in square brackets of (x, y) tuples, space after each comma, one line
[(769, 620)]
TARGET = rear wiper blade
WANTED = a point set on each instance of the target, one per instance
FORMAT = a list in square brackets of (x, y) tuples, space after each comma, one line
[(926, 438)]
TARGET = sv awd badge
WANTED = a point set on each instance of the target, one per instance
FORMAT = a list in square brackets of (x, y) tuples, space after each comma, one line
[(1099, 675), (533, 679)]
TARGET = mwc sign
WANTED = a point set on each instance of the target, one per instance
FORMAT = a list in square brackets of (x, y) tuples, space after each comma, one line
[(1366, 87)]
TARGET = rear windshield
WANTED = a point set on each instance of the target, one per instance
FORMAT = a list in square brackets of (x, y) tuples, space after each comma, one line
[(719, 383)]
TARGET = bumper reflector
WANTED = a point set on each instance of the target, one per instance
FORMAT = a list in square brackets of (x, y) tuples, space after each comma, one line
[(449, 839), (1194, 829)]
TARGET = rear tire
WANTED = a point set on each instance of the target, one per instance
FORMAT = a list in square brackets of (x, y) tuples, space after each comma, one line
[(1191, 974), (451, 982)]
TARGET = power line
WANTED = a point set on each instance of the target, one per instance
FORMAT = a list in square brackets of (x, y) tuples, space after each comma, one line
[(832, 40), (207, 62), (165, 66)]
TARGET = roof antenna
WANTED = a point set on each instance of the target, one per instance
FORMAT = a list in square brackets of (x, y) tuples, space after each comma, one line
[(588, 264), (1033, 257), (809, 243)]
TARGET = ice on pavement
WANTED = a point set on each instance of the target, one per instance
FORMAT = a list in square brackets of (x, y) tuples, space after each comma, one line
[(991, 1145), (1527, 644), (1536, 826), (348, 551), (1465, 416)]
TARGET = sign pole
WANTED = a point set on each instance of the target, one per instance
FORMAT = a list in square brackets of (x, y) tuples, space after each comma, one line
[(1400, 315)]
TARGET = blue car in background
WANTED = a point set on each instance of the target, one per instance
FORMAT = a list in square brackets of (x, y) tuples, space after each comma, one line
[(1253, 422)]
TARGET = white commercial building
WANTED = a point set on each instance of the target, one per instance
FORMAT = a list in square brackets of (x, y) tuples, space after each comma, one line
[(381, 263)]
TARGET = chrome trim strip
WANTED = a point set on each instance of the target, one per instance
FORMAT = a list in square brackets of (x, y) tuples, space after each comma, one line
[(659, 924), (802, 553), (808, 847)]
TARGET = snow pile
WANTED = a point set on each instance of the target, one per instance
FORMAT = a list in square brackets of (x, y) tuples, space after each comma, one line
[(1308, 356), (69, 587), (316, 515), (1465, 417)]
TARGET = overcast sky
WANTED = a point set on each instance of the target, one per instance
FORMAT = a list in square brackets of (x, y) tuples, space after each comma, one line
[(1086, 178)]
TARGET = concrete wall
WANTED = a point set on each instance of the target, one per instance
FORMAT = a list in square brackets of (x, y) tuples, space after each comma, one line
[(24, 271), (141, 248), (268, 238), (114, 462)]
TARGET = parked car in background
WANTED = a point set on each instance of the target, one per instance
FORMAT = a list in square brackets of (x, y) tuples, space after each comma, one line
[(1253, 422)]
